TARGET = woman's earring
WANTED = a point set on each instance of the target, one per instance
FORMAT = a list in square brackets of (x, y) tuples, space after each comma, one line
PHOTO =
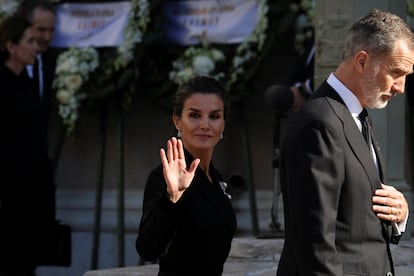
[(221, 135), (179, 134)]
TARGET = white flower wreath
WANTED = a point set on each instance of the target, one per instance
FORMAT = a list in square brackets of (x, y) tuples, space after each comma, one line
[(410, 8), (304, 22), (72, 71), (203, 60), (75, 65), (196, 61), (410, 14), (7, 8)]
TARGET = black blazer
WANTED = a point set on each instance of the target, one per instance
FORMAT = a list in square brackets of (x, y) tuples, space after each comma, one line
[(328, 178), (27, 200), (192, 236)]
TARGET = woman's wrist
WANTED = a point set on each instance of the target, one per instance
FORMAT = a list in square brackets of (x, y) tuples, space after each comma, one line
[(174, 197)]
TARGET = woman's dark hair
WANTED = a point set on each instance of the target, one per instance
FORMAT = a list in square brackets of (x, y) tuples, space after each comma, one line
[(11, 29), (198, 84)]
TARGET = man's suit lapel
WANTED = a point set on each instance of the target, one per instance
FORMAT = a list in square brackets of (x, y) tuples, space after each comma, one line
[(358, 145), (380, 159), (386, 224), (354, 136)]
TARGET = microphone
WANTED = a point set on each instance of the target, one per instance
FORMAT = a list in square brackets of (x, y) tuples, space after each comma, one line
[(279, 97)]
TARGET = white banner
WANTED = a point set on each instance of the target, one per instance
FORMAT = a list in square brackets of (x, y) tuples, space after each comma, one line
[(215, 21), (86, 24)]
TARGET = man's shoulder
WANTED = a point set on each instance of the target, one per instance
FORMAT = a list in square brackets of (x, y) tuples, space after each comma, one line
[(325, 101), (320, 111), (318, 106)]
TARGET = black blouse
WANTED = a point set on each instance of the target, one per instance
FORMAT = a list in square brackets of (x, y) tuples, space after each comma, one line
[(192, 236)]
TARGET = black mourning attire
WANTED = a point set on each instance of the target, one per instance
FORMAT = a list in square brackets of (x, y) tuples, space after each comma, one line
[(27, 199), (192, 236)]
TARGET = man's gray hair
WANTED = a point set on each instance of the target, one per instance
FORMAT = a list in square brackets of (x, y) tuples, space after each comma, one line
[(377, 33)]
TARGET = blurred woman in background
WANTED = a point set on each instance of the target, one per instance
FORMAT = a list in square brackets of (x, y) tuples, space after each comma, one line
[(20, 225)]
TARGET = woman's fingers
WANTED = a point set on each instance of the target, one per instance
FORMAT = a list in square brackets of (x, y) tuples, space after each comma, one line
[(169, 151), (180, 149), (193, 166), (174, 148), (163, 157), (174, 153)]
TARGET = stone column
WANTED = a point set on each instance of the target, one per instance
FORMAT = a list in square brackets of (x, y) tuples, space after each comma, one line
[(333, 19)]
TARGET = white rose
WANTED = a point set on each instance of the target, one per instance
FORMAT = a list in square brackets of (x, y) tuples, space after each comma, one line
[(73, 82), (64, 111), (63, 66), (217, 55), (203, 65), (63, 97), (237, 61), (185, 74)]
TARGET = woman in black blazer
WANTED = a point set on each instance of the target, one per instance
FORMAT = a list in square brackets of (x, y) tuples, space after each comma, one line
[(188, 222), (23, 187)]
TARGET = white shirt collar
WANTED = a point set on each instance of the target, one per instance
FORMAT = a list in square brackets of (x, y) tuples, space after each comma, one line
[(350, 100), (29, 67)]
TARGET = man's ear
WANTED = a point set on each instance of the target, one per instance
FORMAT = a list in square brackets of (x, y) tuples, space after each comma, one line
[(360, 60)]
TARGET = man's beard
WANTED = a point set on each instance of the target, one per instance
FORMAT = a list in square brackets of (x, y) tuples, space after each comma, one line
[(372, 92), (373, 98)]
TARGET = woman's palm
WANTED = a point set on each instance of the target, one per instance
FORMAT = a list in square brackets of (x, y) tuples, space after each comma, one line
[(176, 174)]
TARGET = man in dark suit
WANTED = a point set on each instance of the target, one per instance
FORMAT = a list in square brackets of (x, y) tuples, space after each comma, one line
[(41, 14), (340, 217)]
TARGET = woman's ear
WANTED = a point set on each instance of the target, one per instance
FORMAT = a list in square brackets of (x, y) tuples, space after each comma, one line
[(176, 121), (10, 46)]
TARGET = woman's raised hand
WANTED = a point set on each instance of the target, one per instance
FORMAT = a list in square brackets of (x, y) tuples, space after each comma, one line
[(176, 174)]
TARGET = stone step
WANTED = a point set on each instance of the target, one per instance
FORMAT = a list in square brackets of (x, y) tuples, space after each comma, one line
[(259, 257)]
